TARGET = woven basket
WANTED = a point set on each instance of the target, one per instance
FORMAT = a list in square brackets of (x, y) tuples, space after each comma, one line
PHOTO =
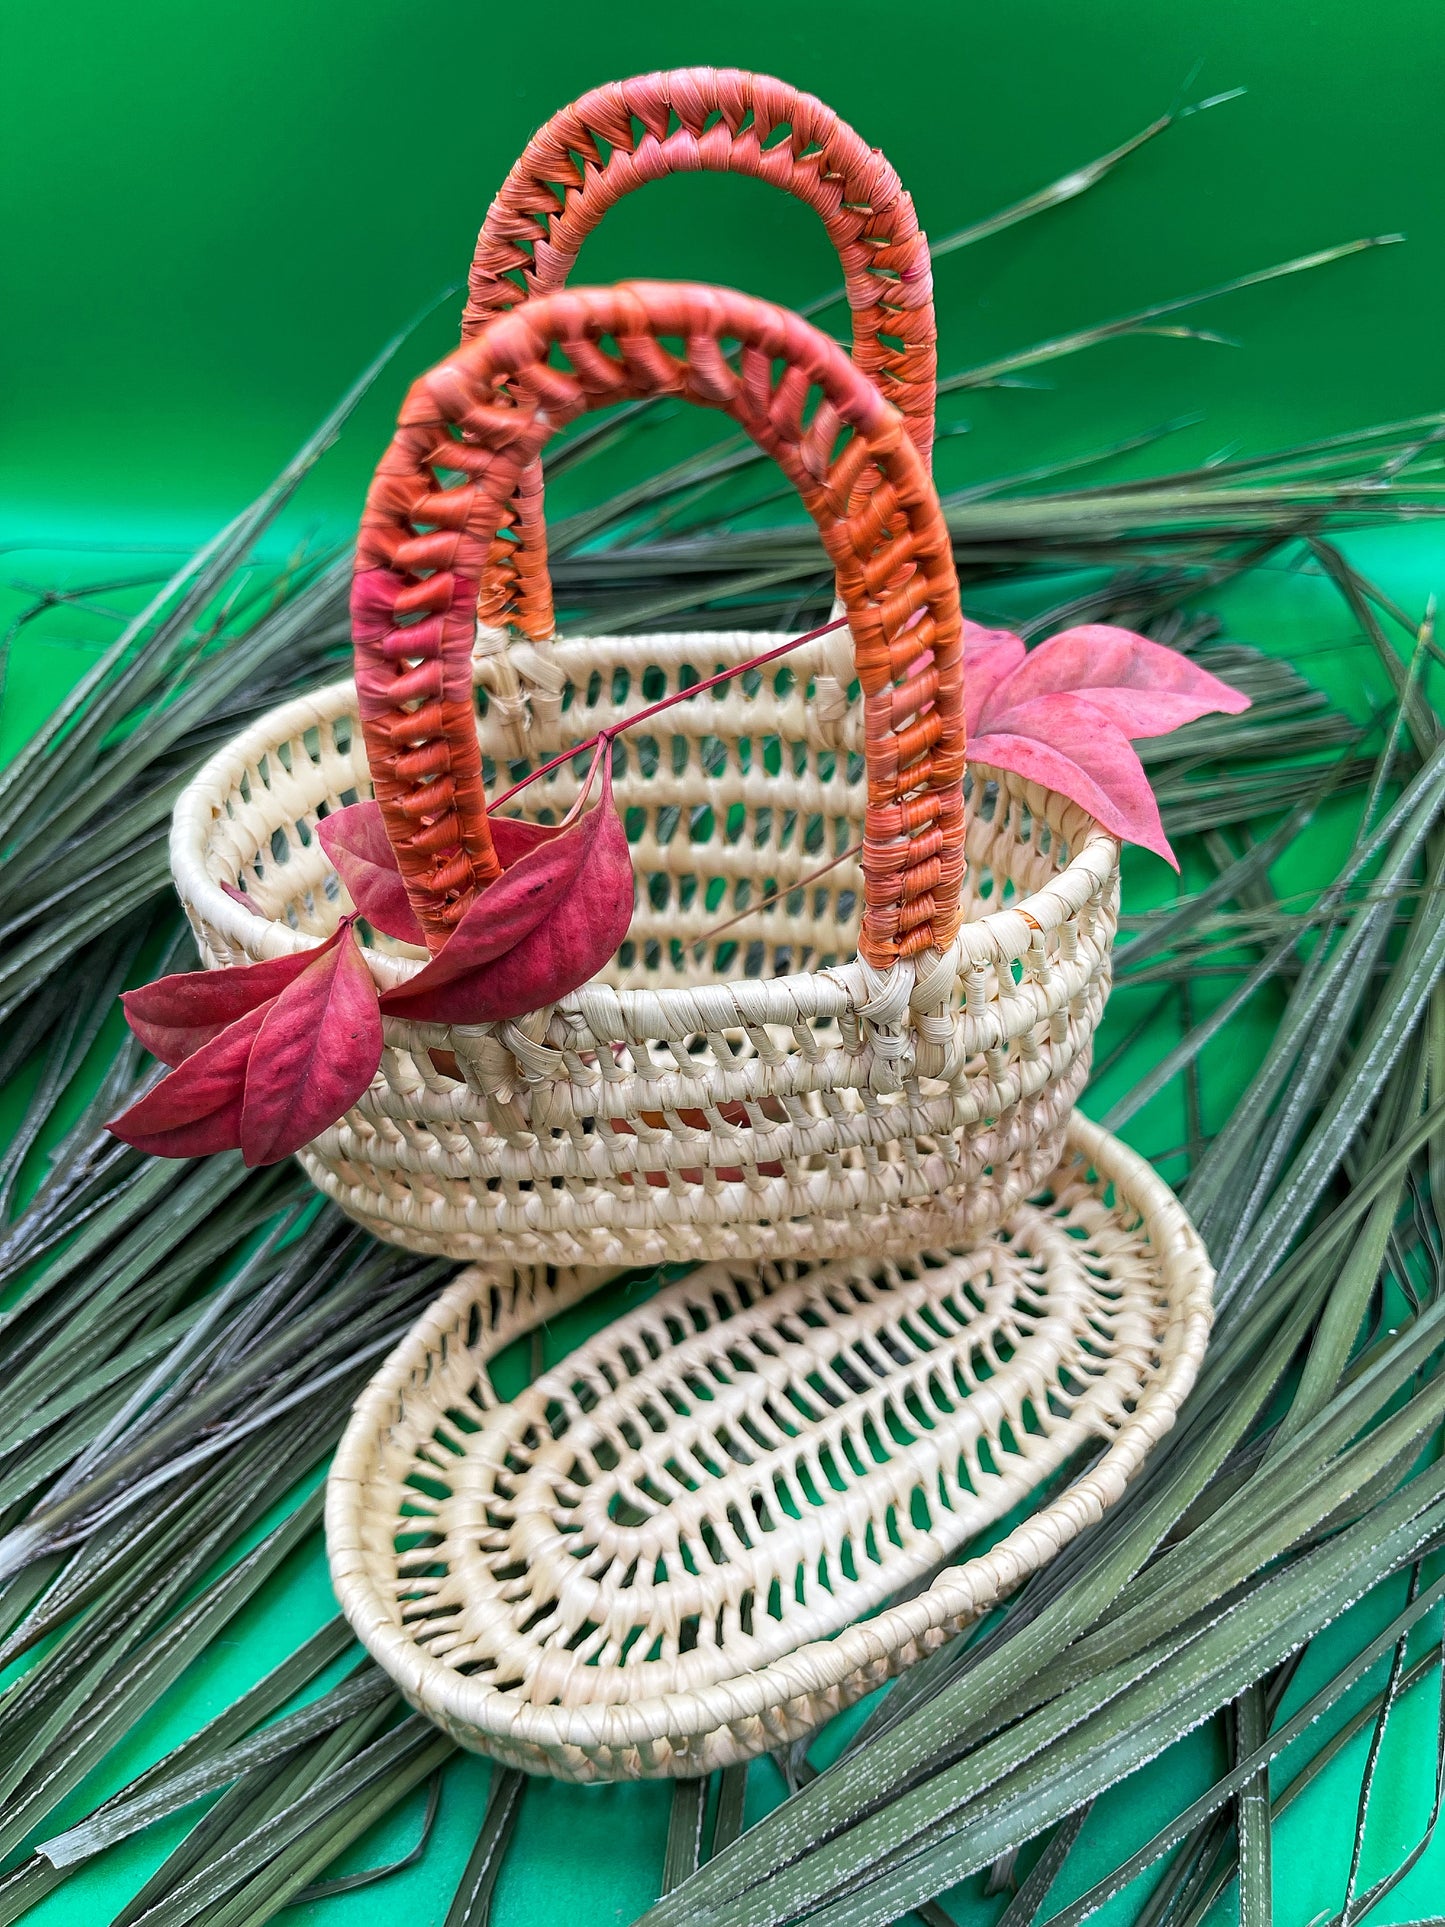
[(758, 1091), (650, 1563)]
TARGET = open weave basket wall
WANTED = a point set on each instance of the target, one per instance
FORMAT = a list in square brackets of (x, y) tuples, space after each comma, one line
[(653, 1561), (756, 1095)]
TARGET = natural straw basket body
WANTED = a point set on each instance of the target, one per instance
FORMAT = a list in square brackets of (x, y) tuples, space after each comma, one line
[(805, 1100), (654, 1560)]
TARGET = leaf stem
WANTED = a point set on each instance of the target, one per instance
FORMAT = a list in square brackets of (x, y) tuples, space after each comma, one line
[(667, 702), (773, 896)]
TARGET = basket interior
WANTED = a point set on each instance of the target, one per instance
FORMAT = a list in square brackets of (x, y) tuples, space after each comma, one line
[(743, 811)]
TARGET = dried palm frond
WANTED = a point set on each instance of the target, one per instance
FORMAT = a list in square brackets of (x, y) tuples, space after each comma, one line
[(181, 1343)]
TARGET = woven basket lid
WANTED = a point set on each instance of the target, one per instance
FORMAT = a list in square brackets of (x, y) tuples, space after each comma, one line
[(659, 1556)]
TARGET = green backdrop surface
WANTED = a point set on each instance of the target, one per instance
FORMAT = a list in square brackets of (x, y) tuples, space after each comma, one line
[(213, 216)]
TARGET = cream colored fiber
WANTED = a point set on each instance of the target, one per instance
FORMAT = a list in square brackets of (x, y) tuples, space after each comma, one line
[(652, 1562), (777, 1098)]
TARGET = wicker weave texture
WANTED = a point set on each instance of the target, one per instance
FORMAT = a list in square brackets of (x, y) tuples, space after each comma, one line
[(468, 430), (754, 1089), (701, 120), (761, 1092), (652, 1561)]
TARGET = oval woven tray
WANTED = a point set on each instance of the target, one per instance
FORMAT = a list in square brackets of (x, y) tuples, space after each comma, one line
[(654, 1560)]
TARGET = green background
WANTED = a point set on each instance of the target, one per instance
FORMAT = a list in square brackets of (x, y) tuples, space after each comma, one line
[(212, 217)]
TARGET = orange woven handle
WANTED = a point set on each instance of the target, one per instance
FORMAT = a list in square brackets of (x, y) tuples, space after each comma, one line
[(700, 119), (487, 413)]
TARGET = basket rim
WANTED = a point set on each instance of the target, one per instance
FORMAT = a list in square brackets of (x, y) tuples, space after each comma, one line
[(998, 937), (961, 1593)]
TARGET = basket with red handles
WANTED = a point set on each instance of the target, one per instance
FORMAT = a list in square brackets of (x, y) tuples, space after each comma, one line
[(770, 971)]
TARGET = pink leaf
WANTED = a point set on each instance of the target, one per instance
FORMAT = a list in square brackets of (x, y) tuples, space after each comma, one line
[(239, 896), (177, 1016), (1144, 688), (545, 926), (315, 1055), (355, 839), (196, 1110), (988, 656), (512, 837), (1069, 746)]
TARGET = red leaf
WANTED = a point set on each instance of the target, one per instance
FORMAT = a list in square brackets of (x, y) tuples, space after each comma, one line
[(355, 839), (545, 926), (197, 1109), (512, 837), (988, 656), (1062, 715), (1141, 686), (1069, 746), (316, 1053), (177, 1016)]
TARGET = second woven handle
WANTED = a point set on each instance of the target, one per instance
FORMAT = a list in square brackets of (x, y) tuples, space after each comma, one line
[(486, 415), (700, 120)]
